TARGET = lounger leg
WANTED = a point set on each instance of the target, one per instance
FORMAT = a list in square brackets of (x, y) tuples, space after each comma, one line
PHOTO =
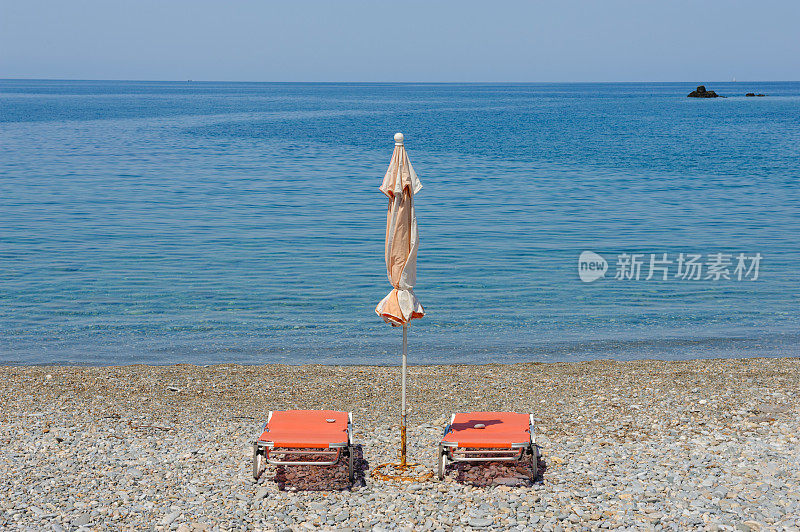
[(257, 454), (535, 461), (351, 470), (442, 463)]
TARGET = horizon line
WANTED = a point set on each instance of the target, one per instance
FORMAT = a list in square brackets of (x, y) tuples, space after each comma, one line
[(386, 82)]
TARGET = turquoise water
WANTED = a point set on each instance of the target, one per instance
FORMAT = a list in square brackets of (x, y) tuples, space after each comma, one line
[(241, 222)]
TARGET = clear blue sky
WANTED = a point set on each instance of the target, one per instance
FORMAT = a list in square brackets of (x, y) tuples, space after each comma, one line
[(377, 40)]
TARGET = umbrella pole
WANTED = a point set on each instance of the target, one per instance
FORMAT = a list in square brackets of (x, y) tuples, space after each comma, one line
[(403, 401), (403, 471)]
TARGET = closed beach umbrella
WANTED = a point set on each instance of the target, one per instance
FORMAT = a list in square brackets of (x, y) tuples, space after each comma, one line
[(401, 306)]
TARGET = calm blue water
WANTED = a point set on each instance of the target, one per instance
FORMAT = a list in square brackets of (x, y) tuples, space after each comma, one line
[(241, 222)]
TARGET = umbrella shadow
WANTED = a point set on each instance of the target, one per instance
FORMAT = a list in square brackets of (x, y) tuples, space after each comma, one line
[(472, 422), (322, 478)]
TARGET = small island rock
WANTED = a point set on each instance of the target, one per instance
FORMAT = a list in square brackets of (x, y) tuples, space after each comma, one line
[(750, 94), (701, 92)]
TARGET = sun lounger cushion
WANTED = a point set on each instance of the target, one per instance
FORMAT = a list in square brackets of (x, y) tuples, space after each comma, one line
[(500, 429), (313, 429)]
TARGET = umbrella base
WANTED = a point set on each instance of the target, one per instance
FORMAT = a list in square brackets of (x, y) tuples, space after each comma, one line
[(403, 472)]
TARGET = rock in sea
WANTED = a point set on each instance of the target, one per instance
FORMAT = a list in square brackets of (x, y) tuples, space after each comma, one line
[(701, 92)]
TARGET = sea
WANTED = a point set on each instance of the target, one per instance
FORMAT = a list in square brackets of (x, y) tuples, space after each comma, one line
[(204, 222)]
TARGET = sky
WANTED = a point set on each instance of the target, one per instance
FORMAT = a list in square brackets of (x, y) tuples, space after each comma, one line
[(412, 41)]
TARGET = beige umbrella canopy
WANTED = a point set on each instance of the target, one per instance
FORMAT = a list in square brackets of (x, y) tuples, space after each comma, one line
[(401, 306), (402, 239)]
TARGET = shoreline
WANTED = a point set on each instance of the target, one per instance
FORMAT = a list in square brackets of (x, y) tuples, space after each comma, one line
[(731, 357), (694, 444)]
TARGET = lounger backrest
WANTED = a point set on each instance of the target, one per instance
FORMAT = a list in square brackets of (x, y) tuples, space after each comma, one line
[(301, 420)]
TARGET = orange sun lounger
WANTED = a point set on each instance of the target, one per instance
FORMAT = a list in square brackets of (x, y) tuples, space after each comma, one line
[(489, 437), (305, 437)]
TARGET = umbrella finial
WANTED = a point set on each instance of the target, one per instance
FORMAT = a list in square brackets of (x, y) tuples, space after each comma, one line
[(398, 139)]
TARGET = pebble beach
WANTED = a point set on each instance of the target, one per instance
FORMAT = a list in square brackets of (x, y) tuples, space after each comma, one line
[(642, 445)]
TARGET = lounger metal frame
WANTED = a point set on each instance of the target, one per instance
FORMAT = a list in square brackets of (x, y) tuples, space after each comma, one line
[(515, 452), (263, 449)]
